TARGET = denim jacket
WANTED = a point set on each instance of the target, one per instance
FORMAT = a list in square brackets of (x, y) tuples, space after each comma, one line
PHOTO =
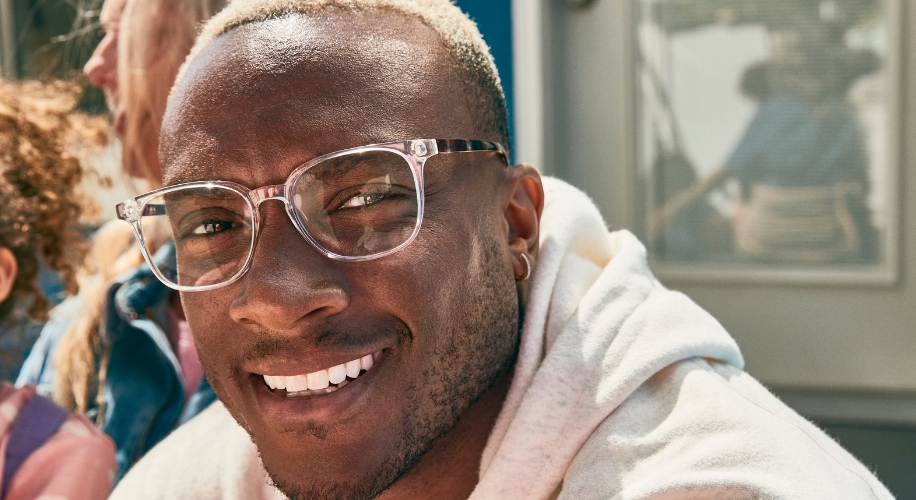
[(144, 394)]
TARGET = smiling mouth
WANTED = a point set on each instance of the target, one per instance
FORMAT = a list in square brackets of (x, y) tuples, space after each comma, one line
[(322, 381)]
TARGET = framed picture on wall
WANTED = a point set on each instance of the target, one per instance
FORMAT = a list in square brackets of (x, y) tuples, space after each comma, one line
[(766, 138)]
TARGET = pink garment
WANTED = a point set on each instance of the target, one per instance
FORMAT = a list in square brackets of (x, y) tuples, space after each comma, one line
[(183, 344), (76, 463)]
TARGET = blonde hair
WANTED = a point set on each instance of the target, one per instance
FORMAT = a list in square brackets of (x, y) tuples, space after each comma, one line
[(457, 31), (156, 35), (76, 376)]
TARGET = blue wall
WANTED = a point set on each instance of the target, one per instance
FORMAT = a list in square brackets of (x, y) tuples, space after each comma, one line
[(494, 18)]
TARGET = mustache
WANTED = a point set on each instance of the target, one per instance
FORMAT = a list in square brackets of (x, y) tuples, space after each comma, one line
[(267, 343)]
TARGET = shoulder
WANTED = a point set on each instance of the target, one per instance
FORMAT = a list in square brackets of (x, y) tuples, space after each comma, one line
[(708, 428), (76, 462), (62, 318), (211, 456), (11, 402), (39, 365)]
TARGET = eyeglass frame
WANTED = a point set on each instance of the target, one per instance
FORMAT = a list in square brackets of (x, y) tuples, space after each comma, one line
[(415, 151)]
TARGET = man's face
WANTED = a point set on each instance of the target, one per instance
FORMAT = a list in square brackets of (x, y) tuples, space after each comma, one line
[(442, 313)]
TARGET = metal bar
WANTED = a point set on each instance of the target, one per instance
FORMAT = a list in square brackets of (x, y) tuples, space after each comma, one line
[(8, 41), (528, 74)]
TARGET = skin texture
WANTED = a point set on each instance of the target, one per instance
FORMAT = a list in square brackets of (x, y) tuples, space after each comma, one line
[(268, 96), (9, 268)]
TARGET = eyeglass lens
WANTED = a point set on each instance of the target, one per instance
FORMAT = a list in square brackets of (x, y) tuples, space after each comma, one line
[(355, 205)]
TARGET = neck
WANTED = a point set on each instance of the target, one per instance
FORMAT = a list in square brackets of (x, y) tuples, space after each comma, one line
[(450, 469)]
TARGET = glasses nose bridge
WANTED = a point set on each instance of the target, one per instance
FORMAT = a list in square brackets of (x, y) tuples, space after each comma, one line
[(276, 192), (265, 193)]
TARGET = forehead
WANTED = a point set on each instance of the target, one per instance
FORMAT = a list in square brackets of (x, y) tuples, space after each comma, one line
[(281, 91)]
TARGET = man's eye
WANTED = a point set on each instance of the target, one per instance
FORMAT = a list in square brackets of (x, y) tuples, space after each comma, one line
[(211, 227), (363, 199)]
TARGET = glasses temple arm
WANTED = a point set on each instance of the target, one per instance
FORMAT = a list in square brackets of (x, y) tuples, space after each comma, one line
[(470, 146)]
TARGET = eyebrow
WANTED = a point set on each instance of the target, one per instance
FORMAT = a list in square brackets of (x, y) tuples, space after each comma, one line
[(188, 175)]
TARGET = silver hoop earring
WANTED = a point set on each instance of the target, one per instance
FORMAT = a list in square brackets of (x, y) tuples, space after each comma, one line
[(527, 268)]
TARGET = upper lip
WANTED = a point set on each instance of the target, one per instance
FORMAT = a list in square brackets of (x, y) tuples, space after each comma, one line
[(289, 366), (313, 351)]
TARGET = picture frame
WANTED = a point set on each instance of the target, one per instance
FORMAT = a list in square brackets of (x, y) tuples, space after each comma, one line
[(689, 59)]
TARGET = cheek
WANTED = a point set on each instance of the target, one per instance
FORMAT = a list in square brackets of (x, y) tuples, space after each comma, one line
[(207, 314), (464, 308), (435, 279)]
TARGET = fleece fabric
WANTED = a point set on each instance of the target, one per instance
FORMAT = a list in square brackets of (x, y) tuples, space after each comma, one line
[(76, 463), (623, 389)]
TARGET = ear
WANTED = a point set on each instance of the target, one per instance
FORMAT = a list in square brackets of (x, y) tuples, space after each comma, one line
[(524, 204), (9, 268)]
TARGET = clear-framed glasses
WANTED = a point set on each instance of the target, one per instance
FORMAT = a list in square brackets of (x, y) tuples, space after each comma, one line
[(356, 204)]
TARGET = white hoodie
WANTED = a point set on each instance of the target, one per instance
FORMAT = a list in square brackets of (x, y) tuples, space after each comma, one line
[(623, 389)]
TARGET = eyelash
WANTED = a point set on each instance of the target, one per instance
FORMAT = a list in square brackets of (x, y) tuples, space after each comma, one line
[(215, 223)]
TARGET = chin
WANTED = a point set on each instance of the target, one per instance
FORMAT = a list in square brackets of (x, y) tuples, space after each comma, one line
[(356, 456), (352, 478), (312, 463)]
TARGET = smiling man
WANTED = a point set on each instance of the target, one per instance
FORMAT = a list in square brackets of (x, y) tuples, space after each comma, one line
[(388, 309)]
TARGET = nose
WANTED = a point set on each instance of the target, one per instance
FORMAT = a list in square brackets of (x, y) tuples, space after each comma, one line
[(289, 283), (102, 67)]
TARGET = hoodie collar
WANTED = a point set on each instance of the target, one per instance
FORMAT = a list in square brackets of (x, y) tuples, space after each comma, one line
[(140, 289)]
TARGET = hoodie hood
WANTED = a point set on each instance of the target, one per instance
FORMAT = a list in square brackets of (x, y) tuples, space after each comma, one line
[(597, 326)]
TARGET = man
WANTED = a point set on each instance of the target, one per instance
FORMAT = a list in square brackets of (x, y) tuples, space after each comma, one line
[(416, 319)]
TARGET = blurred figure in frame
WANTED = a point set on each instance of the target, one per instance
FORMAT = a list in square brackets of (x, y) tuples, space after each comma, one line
[(801, 163)]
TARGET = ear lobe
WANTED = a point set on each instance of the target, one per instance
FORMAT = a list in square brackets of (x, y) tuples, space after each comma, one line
[(9, 269), (523, 211)]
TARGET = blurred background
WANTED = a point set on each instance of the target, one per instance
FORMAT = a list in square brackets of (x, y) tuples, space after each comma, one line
[(760, 148)]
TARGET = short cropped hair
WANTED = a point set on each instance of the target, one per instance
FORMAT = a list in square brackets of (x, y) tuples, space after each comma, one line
[(458, 32)]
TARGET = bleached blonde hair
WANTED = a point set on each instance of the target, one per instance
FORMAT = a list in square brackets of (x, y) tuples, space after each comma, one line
[(458, 32)]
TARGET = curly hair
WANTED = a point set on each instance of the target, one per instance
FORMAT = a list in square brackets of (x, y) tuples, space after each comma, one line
[(41, 139)]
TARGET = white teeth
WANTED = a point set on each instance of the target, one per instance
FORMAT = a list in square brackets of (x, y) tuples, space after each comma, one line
[(296, 383), (352, 368), (366, 362), (318, 380), (337, 374), (323, 379)]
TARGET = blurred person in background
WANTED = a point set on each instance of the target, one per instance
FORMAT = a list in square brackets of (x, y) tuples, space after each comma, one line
[(121, 352), (47, 453), (801, 163)]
